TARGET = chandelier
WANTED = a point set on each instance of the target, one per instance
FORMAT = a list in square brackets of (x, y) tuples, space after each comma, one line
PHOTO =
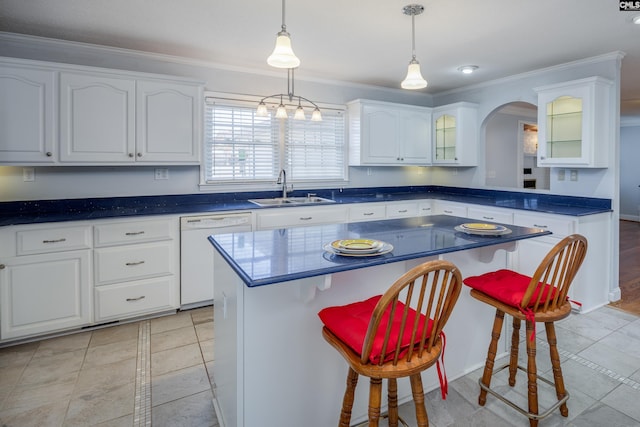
[(281, 111)]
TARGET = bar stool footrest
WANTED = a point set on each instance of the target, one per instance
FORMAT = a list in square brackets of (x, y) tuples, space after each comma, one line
[(366, 423), (518, 408)]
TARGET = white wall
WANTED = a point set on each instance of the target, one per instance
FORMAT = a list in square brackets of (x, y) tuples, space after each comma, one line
[(630, 171)]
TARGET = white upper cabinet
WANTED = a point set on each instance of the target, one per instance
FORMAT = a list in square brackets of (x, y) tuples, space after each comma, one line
[(455, 135), (97, 118), (382, 133), (74, 115), (575, 123), (106, 119), (27, 114)]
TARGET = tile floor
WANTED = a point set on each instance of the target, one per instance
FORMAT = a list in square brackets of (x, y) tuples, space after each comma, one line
[(99, 377)]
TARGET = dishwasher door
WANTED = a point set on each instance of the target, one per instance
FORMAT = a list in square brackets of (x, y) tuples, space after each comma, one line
[(196, 253)]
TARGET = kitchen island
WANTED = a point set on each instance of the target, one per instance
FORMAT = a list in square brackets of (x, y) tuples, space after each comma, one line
[(272, 366)]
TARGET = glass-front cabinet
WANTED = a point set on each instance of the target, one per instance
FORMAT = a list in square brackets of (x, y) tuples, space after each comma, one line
[(455, 135), (575, 123)]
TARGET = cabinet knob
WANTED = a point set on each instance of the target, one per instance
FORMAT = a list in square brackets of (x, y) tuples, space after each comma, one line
[(2, 266), (130, 154), (139, 154), (49, 154), (542, 157)]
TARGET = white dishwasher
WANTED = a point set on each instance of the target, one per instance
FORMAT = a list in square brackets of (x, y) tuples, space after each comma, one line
[(196, 253)]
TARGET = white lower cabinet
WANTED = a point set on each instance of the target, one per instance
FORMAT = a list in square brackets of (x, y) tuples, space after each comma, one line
[(136, 268), (366, 212), (124, 300), (44, 293), (449, 208), (269, 219), (402, 209), (492, 215)]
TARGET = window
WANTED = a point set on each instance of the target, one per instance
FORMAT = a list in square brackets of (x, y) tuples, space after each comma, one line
[(242, 147)]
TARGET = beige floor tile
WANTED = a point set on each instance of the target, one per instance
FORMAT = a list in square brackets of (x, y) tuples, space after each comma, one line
[(53, 368), (196, 410), (29, 397), (18, 355), (205, 331), (111, 353), (166, 323), (126, 421), (100, 406), (173, 338), (202, 315), (9, 376), (115, 334), (178, 384), (106, 376), (65, 344), (175, 359), (207, 350), (48, 415)]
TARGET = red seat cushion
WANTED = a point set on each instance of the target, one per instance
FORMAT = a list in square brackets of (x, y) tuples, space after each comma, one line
[(507, 286), (350, 322)]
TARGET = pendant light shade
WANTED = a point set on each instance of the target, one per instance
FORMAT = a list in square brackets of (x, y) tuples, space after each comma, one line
[(414, 79), (262, 111), (281, 111), (282, 55), (316, 116)]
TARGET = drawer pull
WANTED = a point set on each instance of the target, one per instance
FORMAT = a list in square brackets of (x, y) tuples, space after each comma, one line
[(367, 213), (135, 299), (488, 217), (448, 212), (55, 241), (306, 218), (540, 226), (134, 233), (402, 211), (129, 264)]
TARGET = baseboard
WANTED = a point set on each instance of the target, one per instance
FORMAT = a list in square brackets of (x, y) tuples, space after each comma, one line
[(635, 218)]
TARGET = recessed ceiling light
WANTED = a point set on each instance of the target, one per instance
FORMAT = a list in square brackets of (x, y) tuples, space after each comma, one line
[(468, 69), (636, 19)]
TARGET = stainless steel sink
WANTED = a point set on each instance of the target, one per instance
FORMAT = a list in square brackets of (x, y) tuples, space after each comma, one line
[(291, 201)]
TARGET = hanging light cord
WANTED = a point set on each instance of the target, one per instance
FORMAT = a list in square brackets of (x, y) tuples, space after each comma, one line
[(284, 27), (413, 35)]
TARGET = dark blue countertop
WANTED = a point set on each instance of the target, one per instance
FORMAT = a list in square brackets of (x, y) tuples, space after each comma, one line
[(273, 256), (38, 211)]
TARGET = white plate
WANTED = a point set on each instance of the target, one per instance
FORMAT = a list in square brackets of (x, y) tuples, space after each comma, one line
[(386, 248), (497, 232), (357, 246)]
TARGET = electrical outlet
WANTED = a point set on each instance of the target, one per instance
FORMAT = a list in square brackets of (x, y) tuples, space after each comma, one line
[(162, 173), (369, 173), (573, 175), (560, 174), (28, 174)]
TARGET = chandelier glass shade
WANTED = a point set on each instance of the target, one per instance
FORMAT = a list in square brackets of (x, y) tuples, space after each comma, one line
[(281, 110), (414, 79)]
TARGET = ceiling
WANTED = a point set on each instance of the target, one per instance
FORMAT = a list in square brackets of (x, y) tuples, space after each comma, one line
[(367, 42)]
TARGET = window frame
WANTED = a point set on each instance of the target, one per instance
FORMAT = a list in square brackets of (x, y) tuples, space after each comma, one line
[(250, 101)]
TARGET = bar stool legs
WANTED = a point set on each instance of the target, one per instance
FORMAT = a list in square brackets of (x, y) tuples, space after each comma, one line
[(491, 357), (347, 401), (561, 392)]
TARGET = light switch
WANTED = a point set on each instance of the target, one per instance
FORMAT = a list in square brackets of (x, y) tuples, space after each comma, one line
[(560, 174), (573, 175), (28, 174), (162, 173)]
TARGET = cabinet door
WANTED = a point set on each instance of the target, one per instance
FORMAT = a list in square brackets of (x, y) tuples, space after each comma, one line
[(27, 115), (169, 119), (97, 119), (450, 208), (455, 135), (444, 142), (415, 131), (380, 136), (44, 293), (574, 123)]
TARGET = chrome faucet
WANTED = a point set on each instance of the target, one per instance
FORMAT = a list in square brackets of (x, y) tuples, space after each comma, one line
[(282, 179)]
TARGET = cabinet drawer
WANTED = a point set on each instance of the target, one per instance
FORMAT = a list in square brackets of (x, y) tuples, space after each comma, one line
[(491, 215), (402, 210), (131, 299), (450, 209), (134, 232), (292, 217), (425, 208), (366, 212), (560, 227), (117, 264), (53, 240)]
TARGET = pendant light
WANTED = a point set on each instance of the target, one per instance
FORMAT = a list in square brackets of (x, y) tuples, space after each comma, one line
[(282, 55), (281, 110), (414, 79)]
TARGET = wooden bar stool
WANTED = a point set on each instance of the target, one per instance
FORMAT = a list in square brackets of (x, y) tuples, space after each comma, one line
[(398, 334), (540, 298)]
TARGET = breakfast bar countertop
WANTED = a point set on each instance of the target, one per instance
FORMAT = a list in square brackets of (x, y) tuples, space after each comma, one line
[(273, 256)]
